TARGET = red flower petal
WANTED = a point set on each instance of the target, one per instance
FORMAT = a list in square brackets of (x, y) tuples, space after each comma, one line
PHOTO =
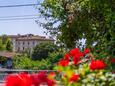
[(97, 65), (50, 82), (63, 63), (12, 80), (74, 51), (74, 78), (67, 56), (86, 51), (112, 60)]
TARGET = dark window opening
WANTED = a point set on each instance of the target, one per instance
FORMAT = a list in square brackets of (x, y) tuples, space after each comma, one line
[(18, 43), (18, 48), (33, 43), (28, 43), (23, 43), (23, 48)]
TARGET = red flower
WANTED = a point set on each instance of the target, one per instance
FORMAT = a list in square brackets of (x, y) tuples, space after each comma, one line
[(98, 64), (42, 77), (74, 78), (53, 74), (21, 79), (35, 80), (93, 65), (113, 72), (50, 82), (112, 60), (86, 51), (12, 80), (63, 63), (76, 54), (74, 51), (76, 60), (25, 79), (67, 56)]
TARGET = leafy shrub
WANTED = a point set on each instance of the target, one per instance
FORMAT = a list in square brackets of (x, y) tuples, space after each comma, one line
[(24, 62), (42, 50)]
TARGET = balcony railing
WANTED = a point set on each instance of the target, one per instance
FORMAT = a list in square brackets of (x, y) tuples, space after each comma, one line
[(5, 72)]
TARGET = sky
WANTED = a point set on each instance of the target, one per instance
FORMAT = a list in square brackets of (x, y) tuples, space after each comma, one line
[(13, 27)]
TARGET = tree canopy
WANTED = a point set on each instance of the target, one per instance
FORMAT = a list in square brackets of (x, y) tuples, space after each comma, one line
[(42, 50), (73, 20), (5, 43)]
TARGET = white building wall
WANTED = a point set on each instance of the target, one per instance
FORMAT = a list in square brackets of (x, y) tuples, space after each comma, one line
[(20, 46)]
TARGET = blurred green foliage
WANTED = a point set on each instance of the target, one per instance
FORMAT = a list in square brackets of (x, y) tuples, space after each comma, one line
[(73, 20), (5, 43), (24, 62), (42, 50)]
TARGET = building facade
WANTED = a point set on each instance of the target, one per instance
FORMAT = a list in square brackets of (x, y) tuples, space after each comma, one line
[(22, 43)]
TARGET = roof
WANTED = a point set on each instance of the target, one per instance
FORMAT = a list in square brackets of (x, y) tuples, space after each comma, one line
[(30, 37), (13, 36), (35, 38), (7, 54)]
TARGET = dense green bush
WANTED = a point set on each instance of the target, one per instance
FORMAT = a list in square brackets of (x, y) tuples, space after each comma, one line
[(5, 43), (24, 62), (42, 50), (21, 62)]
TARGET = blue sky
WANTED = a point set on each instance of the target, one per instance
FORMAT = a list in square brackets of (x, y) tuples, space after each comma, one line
[(19, 26)]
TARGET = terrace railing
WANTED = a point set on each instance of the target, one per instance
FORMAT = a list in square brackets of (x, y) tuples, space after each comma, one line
[(5, 72)]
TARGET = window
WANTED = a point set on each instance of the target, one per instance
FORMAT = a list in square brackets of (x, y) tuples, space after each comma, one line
[(33, 42), (23, 48), (23, 43), (28, 43), (18, 43), (18, 48)]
